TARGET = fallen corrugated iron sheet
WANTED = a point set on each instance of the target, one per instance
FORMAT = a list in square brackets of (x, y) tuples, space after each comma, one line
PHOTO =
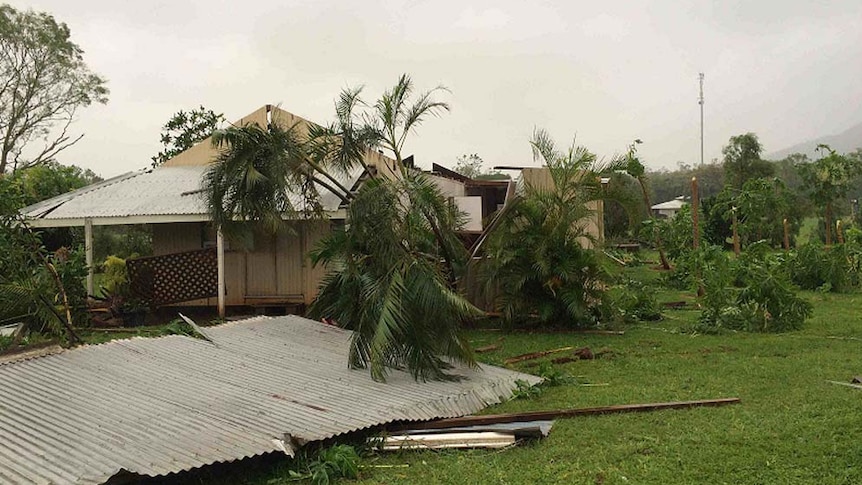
[(159, 406)]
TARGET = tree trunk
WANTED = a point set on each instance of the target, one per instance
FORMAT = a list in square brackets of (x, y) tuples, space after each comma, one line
[(658, 244), (736, 248), (828, 223)]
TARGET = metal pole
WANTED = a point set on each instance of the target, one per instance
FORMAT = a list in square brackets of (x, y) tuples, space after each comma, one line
[(88, 254), (700, 102)]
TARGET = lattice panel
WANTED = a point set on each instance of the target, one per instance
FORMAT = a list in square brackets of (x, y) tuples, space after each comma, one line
[(174, 278)]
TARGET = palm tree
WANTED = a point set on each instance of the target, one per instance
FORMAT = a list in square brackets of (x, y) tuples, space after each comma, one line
[(392, 270), (387, 284), (536, 261)]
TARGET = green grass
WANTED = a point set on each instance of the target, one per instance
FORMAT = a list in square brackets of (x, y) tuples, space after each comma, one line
[(791, 427)]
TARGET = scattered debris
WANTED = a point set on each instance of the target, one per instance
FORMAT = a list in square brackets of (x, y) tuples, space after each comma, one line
[(584, 353), (568, 413), (856, 380), (855, 386), (15, 355), (614, 258), (435, 441), (11, 329), (494, 435), (534, 355)]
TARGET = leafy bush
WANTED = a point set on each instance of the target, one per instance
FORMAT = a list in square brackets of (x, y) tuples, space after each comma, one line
[(339, 461), (633, 301), (837, 269), (116, 276), (327, 467), (755, 294), (538, 263)]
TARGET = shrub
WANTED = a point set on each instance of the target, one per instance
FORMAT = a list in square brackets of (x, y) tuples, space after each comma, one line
[(837, 269), (116, 276), (755, 295)]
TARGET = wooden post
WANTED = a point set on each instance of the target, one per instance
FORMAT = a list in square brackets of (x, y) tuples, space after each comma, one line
[(88, 255), (736, 248), (694, 212), (786, 235), (838, 233), (220, 263)]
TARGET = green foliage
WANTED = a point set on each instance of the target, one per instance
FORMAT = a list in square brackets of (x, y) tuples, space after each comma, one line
[(124, 242), (536, 261), (252, 179), (116, 276), (837, 269), (525, 390), (327, 466), (339, 461), (677, 233), (742, 160), (552, 376), (184, 130), (45, 80), (667, 185), (387, 281), (828, 181), (469, 165), (755, 294), (51, 179), (761, 207), (28, 290), (633, 302)]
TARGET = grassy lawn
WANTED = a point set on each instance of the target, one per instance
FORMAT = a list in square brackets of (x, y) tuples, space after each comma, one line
[(791, 427)]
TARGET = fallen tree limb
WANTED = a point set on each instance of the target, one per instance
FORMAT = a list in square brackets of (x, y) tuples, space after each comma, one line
[(535, 355), (565, 413), (487, 348)]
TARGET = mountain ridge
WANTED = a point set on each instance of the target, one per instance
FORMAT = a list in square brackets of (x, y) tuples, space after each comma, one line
[(845, 142)]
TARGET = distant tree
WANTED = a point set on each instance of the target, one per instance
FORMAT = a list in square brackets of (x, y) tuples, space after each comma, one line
[(52, 179), (43, 82), (184, 130), (742, 160), (828, 181), (666, 185), (469, 165)]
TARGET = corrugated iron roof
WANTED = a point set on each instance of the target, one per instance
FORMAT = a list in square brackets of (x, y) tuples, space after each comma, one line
[(159, 406), (164, 191), (674, 204)]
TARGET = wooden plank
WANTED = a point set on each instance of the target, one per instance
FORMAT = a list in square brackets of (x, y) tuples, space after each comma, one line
[(565, 413), (535, 355), (484, 439)]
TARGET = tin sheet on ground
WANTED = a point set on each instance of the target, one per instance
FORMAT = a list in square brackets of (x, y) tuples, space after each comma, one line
[(154, 406)]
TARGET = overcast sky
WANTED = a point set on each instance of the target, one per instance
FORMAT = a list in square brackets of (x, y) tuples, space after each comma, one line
[(608, 72)]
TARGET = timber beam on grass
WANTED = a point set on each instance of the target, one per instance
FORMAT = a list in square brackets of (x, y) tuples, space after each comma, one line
[(535, 355), (567, 413)]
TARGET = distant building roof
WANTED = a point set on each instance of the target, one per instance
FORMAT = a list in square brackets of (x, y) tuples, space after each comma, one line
[(675, 204), (157, 406)]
